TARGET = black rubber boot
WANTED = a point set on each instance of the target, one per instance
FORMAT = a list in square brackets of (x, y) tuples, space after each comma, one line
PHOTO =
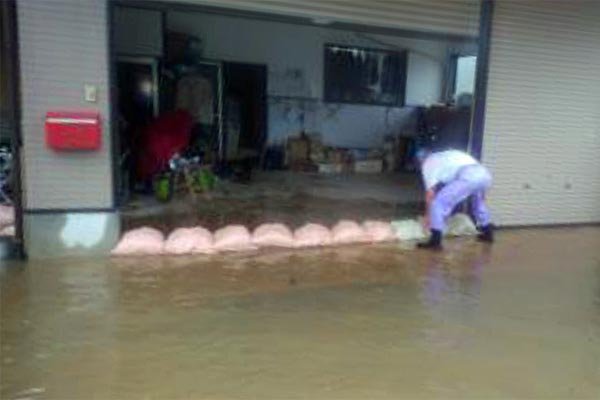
[(487, 234), (434, 242)]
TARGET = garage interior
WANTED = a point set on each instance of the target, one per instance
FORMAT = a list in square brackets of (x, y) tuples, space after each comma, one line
[(225, 118)]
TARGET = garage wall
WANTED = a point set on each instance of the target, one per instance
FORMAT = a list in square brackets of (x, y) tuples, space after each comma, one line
[(63, 45), (293, 54), (542, 130)]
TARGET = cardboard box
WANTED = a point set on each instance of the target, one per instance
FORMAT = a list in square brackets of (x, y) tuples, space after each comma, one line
[(297, 150), (368, 167), (330, 168)]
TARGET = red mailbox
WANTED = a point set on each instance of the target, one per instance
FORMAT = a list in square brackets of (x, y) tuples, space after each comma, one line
[(73, 130)]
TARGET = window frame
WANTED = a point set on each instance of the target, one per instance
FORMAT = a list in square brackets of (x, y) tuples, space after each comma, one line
[(454, 57), (402, 55)]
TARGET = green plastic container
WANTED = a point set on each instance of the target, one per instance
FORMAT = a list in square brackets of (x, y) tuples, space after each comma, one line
[(163, 188), (206, 180)]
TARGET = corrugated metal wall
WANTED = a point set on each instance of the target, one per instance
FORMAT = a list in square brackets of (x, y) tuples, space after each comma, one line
[(542, 133), (457, 17), (63, 45)]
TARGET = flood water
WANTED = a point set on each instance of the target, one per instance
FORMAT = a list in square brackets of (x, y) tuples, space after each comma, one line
[(520, 319)]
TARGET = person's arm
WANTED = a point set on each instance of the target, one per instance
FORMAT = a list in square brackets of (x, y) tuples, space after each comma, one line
[(429, 195)]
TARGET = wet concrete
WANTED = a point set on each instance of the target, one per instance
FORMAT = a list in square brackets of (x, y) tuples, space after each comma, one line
[(520, 319)]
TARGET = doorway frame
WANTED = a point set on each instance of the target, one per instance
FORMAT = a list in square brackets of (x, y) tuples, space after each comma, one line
[(264, 101), (153, 63), (10, 45)]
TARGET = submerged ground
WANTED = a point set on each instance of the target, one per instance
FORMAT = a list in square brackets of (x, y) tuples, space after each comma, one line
[(286, 197), (520, 319)]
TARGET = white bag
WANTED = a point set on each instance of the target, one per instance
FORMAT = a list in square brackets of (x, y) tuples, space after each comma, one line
[(189, 241), (312, 235), (347, 231), (412, 229), (461, 225), (7, 215), (409, 229), (379, 231), (273, 235), (8, 230), (233, 238), (141, 241)]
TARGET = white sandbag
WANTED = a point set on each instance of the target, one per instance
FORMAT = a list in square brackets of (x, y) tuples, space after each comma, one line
[(312, 235), (461, 225), (409, 229), (8, 231), (273, 235), (412, 229), (7, 215), (141, 241), (346, 231), (233, 238), (379, 231), (189, 241)]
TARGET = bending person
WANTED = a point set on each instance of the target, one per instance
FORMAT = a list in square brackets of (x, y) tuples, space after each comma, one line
[(460, 176)]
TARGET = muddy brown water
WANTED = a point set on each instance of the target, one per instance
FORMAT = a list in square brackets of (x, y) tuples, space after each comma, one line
[(520, 319)]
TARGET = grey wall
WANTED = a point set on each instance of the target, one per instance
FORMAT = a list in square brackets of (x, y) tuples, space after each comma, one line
[(294, 57), (294, 53), (344, 125), (63, 45), (70, 234)]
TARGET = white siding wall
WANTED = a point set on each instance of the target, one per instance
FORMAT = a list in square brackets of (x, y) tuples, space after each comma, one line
[(63, 45), (542, 132)]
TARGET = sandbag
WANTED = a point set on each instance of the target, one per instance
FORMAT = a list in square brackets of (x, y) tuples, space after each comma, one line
[(312, 235), (189, 241), (273, 235), (8, 230), (412, 229), (233, 238), (461, 225), (379, 231), (409, 229), (141, 241), (7, 215), (346, 231)]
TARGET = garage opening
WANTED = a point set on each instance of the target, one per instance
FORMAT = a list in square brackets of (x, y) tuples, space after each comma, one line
[(238, 119)]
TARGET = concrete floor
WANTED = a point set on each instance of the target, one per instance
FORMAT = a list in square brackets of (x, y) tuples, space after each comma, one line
[(517, 320), (288, 197)]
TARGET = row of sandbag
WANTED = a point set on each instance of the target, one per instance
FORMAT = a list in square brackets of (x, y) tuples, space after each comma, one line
[(198, 240), (7, 220)]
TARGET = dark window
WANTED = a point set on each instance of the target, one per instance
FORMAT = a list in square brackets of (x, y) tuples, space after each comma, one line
[(364, 76)]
